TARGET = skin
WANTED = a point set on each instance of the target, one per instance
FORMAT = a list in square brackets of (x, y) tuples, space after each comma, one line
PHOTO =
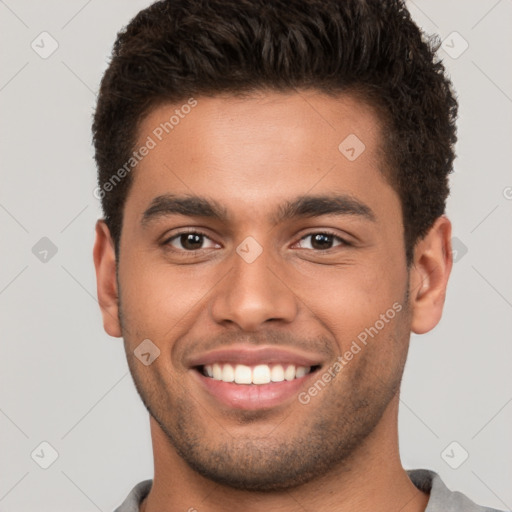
[(340, 451)]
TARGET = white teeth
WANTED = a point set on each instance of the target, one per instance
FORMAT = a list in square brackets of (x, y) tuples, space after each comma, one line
[(277, 373), (217, 372), (300, 372), (289, 373), (259, 374), (243, 374), (228, 373)]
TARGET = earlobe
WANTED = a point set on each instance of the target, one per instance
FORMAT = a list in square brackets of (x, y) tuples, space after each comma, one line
[(429, 276), (105, 265)]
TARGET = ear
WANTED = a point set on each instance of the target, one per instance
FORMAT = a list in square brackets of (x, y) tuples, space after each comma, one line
[(429, 275), (105, 264)]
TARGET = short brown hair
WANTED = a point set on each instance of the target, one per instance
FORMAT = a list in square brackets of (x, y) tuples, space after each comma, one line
[(176, 49)]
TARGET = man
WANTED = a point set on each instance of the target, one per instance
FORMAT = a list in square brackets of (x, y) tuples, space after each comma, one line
[(274, 176)]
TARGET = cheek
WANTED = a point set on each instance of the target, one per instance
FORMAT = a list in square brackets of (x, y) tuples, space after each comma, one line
[(348, 300), (156, 296)]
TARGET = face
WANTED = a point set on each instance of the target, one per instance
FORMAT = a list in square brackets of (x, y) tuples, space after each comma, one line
[(257, 248)]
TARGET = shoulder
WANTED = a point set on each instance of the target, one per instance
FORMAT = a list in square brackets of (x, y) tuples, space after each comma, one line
[(137, 494), (443, 499)]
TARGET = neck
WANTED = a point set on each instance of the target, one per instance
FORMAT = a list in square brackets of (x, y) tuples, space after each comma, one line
[(373, 479)]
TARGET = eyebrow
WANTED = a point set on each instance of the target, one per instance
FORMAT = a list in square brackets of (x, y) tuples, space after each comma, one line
[(302, 206)]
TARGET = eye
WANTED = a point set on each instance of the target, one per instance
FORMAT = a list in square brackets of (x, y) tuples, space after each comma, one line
[(321, 241), (190, 241)]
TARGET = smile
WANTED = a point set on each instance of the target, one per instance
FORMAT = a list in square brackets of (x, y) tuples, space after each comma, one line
[(258, 374), (245, 377)]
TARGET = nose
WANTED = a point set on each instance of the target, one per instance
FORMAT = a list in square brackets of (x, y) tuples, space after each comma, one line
[(253, 294)]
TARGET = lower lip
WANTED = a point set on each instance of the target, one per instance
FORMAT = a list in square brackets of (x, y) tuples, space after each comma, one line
[(252, 396)]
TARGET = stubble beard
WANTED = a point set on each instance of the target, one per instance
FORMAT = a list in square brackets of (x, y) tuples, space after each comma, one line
[(327, 441)]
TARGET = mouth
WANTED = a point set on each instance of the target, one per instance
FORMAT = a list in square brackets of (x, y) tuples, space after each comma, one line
[(251, 388), (257, 375), (252, 378)]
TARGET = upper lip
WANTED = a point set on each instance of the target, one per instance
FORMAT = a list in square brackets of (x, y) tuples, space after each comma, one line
[(251, 356)]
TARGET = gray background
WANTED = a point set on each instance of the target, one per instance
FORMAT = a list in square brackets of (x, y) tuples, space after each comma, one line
[(64, 381)]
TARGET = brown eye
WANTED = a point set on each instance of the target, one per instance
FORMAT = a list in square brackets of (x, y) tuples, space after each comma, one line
[(189, 241), (321, 241)]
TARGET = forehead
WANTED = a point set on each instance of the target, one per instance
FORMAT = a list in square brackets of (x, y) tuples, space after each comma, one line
[(248, 150)]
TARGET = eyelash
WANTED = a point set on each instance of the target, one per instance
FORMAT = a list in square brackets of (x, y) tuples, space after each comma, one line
[(200, 233)]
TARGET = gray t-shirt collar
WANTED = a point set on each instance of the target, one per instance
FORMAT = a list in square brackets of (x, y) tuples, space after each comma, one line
[(441, 498)]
